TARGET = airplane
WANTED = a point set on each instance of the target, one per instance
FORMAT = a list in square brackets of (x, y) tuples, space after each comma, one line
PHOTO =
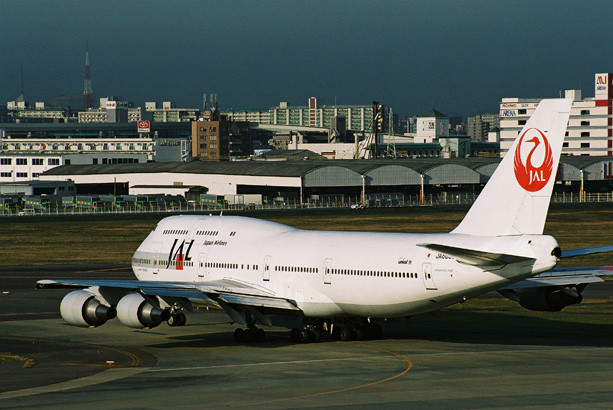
[(322, 284)]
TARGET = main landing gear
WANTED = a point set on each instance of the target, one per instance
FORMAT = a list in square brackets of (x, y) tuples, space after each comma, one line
[(250, 335), (315, 331), (177, 317)]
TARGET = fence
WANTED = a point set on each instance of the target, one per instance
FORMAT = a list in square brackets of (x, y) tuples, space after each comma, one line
[(443, 199)]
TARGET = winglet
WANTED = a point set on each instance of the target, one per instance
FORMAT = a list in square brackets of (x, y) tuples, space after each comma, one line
[(516, 198)]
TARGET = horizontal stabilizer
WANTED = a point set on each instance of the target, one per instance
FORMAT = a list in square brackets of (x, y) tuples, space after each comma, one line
[(586, 251), (564, 277), (476, 257)]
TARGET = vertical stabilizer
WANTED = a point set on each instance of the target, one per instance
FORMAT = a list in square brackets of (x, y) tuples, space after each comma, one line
[(516, 198)]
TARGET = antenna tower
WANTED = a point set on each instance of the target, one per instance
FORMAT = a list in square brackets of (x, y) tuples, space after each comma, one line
[(88, 97)]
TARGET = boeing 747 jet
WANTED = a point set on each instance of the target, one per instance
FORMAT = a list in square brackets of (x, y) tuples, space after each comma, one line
[(263, 273)]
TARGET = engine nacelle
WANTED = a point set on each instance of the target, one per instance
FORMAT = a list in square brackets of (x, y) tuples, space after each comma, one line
[(549, 299), (135, 312), (81, 308)]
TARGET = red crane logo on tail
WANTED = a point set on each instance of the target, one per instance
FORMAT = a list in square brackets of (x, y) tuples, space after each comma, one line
[(533, 148)]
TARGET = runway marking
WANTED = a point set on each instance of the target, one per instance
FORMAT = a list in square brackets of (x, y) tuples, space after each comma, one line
[(111, 374), (569, 349), (346, 389), (227, 366)]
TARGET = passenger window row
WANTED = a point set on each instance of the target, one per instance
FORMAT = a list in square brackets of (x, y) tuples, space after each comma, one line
[(229, 266), (208, 233), (175, 232), (381, 274), (184, 263), (303, 269)]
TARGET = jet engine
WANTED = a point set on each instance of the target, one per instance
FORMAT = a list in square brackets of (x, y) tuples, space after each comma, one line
[(549, 299), (81, 308), (134, 311)]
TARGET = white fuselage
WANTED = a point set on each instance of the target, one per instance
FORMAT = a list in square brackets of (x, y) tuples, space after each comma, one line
[(333, 274)]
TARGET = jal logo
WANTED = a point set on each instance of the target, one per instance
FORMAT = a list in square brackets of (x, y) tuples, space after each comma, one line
[(179, 254), (533, 160)]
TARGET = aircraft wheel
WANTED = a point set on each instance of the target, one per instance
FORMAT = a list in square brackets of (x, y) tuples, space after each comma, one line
[(376, 331), (294, 335), (347, 334), (336, 333), (359, 333), (306, 336), (250, 335), (173, 320), (182, 319), (239, 335), (260, 335), (318, 336)]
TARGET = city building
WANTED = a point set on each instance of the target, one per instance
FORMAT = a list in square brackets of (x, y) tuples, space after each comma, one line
[(112, 110), (20, 111), (590, 130), (25, 167), (258, 116), (358, 117), (479, 126), (169, 113), (28, 149), (431, 126), (220, 139)]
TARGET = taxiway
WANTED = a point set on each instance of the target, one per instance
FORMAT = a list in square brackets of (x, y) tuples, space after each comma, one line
[(425, 363)]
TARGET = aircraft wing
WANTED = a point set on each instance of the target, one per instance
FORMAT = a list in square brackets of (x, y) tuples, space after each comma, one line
[(564, 277), (224, 291)]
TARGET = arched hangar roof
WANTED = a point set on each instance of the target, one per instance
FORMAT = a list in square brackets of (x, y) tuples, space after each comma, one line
[(313, 173)]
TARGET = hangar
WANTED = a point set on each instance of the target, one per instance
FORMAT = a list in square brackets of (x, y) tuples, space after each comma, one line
[(313, 177)]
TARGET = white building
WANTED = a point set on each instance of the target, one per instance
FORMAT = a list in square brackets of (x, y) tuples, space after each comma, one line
[(589, 131), (431, 126), (15, 167), (24, 159)]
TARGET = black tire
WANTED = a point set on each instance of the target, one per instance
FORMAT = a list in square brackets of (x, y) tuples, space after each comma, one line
[(239, 335), (336, 333), (260, 335), (376, 331), (347, 334), (306, 336), (358, 331), (182, 318), (249, 335), (294, 335), (173, 320)]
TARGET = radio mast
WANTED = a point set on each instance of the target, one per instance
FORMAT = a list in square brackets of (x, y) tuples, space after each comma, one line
[(88, 97)]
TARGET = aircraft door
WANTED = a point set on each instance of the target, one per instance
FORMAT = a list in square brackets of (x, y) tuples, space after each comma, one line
[(202, 270), (157, 257), (266, 269), (327, 275), (427, 274)]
